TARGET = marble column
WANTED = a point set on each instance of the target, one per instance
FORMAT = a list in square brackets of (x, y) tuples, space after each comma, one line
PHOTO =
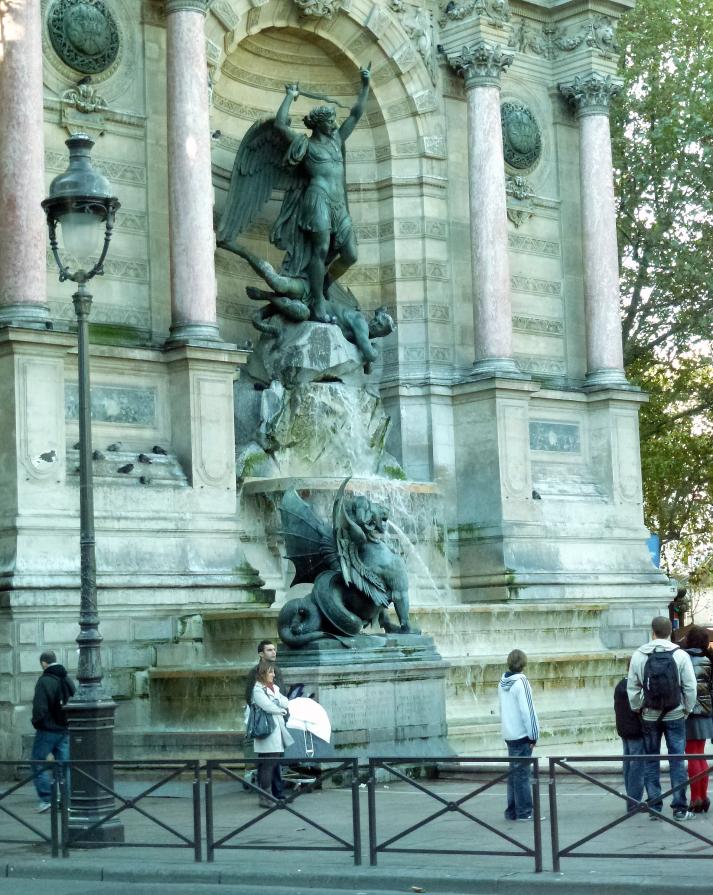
[(23, 232), (481, 66), (190, 187), (590, 95)]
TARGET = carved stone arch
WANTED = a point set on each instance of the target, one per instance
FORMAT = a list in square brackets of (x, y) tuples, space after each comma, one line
[(401, 85)]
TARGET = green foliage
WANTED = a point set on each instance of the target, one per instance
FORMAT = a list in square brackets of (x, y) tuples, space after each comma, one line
[(662, 125)]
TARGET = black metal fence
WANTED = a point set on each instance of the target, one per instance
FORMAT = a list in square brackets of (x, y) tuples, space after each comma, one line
[(329, 770), (631, 808), (445, 807), (478, 835)]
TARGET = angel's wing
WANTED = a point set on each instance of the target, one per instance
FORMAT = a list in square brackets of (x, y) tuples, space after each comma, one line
[(308, 541), (348, 536), (258, 169)]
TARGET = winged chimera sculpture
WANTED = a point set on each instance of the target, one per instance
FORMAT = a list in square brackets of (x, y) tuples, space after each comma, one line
[(313, 228), (356, 575)]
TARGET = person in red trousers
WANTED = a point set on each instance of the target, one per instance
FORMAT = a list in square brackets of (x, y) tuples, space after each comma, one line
[(699, 724)]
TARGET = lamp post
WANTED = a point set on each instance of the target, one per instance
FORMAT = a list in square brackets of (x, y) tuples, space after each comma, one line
[(80, 202)]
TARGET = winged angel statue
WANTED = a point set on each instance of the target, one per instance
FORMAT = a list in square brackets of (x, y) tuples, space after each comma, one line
[(313, 228), (356, 575)]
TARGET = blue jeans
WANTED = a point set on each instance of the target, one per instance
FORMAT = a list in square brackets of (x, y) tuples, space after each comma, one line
[(519, 785), (634, 771), (48, 742), (674, 733)]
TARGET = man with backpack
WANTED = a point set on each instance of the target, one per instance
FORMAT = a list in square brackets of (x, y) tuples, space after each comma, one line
[(52, 691), (662, 686)]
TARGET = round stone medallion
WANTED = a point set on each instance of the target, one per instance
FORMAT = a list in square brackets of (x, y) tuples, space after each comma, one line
[(522, 141), (84, 34)]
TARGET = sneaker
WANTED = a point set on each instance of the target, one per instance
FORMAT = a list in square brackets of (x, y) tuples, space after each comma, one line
[(520, 819), (683, 814), (43, 806), (655, 815)]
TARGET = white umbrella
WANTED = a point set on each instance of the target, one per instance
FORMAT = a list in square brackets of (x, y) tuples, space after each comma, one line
[(310, 716)]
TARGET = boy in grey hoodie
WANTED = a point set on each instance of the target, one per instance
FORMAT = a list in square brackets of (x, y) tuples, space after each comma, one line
[(520, 729)]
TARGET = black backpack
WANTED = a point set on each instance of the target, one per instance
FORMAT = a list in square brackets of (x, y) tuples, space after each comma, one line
[(662, 685)]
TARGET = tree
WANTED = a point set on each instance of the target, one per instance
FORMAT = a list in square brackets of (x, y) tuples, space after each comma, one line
[(663, 151)]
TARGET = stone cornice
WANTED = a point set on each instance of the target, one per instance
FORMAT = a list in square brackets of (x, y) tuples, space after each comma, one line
[(590, 94), (187, 6), (481, 64)]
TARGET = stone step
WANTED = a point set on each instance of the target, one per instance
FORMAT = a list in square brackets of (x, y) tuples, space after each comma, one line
[(470, 630)]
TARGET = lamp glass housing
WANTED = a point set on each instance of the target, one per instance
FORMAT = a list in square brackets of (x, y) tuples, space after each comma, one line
[(81, 233)]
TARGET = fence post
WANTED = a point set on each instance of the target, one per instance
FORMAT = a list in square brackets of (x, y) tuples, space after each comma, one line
[(209, 811), (371, 792), (554, 827), (57, 771), (536, 813), (356, 812), (197, 844)]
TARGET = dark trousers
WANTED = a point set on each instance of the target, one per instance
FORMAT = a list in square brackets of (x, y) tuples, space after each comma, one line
[(519, 781), (269, 774)]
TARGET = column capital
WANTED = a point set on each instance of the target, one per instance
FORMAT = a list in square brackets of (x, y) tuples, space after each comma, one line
[(481, 64), (187, 6), (590, 94)]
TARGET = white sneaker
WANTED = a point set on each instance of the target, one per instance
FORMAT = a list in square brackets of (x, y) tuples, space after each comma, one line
[(683, 815), (42, 807)]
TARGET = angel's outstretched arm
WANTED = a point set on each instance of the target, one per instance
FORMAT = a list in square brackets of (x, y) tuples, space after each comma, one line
[(359, 106), (282, 118)]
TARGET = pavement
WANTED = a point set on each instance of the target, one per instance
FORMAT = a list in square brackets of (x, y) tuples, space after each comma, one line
[(282, 852)]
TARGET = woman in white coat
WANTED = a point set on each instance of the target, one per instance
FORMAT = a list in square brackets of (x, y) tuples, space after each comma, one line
[(266, 695)]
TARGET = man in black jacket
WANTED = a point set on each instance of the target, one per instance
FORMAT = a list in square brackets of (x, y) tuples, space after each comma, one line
[(52, 691)]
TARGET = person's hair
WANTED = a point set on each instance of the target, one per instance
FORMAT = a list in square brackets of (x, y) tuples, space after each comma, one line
[(517, 660), (697, 637), (661, 627), (262, 670), (263, 643), (318, 115), (48, 656)]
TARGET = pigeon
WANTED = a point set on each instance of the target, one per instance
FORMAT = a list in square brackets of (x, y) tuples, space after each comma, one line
[(97, 455), (144, 459), (49, 456), (145, 480), (116, 446), (536, 495), (87, 79), (126, 469), (216, 135), (75, 446), (157, 449)]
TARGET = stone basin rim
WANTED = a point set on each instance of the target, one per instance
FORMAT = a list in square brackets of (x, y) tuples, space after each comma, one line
[(332, 483)]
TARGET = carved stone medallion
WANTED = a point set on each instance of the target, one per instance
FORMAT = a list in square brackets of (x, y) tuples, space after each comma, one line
[(84, 34), (522, 141)]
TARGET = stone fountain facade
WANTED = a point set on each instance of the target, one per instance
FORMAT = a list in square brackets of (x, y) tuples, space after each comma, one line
[(499, 421)]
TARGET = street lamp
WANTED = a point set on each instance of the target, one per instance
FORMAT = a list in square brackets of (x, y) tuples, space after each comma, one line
[(80, 202)]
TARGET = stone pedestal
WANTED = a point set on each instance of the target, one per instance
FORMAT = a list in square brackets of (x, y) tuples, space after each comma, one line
[(384, 696)]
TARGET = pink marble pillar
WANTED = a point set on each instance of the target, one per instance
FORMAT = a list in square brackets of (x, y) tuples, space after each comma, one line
[(190, 187), (23, 231), (605, 360), (481, 65)]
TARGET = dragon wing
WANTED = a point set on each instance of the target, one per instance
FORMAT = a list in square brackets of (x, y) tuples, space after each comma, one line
[(348, 537), (308, 541), (258, 169)]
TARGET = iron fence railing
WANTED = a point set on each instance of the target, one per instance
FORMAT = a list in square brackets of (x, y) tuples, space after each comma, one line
[(26, 772), (572, 850), (445, 807), (236, 771), (139, 783)]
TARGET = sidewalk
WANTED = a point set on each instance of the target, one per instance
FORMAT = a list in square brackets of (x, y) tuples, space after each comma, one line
[(269, 867)]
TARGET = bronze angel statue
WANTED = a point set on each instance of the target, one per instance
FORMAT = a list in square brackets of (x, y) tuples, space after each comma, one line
[(356, 575), (313, 228)]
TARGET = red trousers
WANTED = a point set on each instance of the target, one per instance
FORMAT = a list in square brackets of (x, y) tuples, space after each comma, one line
[(699, 788)]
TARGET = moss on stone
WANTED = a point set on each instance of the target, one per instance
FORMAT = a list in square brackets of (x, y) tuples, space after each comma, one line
[(395, 472), (117, 335)]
